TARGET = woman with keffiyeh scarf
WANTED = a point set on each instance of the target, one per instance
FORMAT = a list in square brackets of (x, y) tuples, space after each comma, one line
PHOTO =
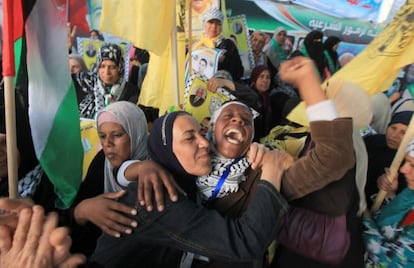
[(105, 84)]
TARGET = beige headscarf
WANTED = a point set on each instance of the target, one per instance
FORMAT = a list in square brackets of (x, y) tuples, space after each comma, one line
[(352, 101), (133, 120)]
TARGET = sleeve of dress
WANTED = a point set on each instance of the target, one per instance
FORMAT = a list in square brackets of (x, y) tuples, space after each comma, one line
[(120, 176), (329, 160)]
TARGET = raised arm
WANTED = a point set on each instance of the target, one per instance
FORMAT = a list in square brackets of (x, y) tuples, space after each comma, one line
[(333, 154)]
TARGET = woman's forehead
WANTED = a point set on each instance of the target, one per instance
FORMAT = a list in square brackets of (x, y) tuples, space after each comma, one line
[(237, 107)]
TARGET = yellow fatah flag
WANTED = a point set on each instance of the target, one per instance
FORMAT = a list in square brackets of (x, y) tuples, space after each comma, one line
[(149, 25), (146, 24), (378, 65), (158, 89)]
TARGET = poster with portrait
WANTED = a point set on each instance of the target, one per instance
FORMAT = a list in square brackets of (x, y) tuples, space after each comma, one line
[(240, 33), (201, 102), (89, 48), (90, 142), (204, 62)]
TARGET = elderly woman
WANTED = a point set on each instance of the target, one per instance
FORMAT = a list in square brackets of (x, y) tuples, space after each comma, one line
[(381, 149), (212, 38), (389, 234), (270, 103), (76, 64), (105, 84)]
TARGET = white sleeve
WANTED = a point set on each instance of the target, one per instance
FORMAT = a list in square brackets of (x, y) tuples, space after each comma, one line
[(324, 110), (120, 176)]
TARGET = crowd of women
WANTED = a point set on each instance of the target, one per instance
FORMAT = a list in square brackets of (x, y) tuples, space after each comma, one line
[(177, 195)]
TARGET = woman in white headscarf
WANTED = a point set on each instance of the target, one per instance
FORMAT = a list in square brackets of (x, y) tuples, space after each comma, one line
[(122, 130)]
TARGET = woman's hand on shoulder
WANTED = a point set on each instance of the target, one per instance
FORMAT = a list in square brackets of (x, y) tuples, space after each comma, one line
[(151, 182), (274, 164), (255, 154), (106, 213)]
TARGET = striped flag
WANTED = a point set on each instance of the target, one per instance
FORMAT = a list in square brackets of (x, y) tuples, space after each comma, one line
[(53, 110)]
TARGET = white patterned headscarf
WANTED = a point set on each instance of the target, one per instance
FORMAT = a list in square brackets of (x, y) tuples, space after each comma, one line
[(237, 167), (410, 148), (132, 119), (100, 95)]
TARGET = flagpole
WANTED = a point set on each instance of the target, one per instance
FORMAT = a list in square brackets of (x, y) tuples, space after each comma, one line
[(67, 11), (190, 37), (396, 163), (175, 56), (9, 96), (9, 101)]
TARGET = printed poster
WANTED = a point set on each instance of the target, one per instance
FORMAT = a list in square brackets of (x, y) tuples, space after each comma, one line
[(90, 142), (239, 32), (201, 103), (204, 62)]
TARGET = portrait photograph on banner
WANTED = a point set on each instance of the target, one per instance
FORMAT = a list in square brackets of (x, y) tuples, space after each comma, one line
[(90, 142), (200, 102), (204, 62), (239, 33)]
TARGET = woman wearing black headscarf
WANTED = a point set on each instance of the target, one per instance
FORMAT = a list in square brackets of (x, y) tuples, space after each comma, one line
[(313, 48), (330, 46)]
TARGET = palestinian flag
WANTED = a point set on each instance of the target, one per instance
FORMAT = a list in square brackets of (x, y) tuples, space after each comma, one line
[(38, 35)]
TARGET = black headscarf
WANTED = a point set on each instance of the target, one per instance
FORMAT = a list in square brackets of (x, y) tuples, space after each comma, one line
[(160, 149), (329, 43), (314, 47)]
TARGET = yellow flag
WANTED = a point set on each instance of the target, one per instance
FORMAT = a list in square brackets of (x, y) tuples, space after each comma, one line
[(158, 88), (378, 65), (146, 24), (149, 24)]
